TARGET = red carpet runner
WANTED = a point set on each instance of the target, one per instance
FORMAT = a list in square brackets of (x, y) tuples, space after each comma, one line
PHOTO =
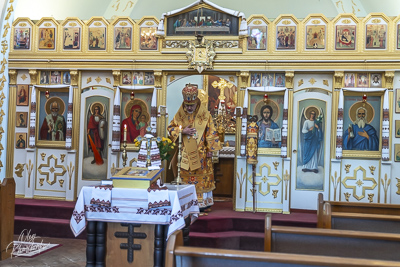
[(222, 228)]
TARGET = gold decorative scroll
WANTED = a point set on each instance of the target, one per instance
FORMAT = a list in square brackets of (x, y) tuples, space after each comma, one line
[(29, 169), (241, 179), (19, 169), (385, 184), (335, 182), (71, 170), (276, 164), (286, 178), (372, 169), (347, 168)]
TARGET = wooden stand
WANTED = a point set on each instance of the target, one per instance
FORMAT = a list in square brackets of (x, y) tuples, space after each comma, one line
[(128, 244), (7, 211)]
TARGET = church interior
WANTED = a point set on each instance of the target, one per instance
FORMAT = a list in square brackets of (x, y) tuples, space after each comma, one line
[(252, 127)]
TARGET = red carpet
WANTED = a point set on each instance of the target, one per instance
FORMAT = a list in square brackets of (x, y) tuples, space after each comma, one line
[(222, 228), (48, 218)]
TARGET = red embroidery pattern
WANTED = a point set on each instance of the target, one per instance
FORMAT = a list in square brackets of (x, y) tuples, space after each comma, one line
[(159, 204), (105, 187), (176, 217), (153, 212), (100, 202), (78, 216), (101, 209), (189, 204)]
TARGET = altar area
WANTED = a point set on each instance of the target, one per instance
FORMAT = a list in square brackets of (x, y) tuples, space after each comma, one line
[(74, 83)]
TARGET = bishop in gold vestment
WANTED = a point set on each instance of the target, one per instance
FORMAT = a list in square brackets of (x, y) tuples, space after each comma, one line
[(199, 140)]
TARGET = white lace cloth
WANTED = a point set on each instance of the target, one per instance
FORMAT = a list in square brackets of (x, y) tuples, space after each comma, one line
[(131, 206)]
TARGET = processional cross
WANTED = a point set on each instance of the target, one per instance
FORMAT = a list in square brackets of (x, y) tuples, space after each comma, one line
[(222, 84)]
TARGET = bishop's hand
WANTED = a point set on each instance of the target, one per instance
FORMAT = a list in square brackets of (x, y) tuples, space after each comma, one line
[(189, 130)]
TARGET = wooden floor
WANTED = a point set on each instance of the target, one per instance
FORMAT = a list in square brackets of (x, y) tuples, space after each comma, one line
[(71, 253)]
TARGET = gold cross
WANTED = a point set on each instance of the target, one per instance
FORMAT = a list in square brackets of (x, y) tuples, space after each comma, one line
[(222, 84)]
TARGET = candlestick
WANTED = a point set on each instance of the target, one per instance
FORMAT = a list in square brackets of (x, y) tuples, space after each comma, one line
[(178, 179), (180, 134), (124, 154), (125, 132)]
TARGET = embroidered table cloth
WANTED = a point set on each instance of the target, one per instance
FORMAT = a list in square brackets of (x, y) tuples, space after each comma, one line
[(129, 205)]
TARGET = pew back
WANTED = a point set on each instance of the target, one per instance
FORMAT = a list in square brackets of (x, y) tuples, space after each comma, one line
[(7, 212), (179, 256), (356, 207), (360, 221), (332, 242)]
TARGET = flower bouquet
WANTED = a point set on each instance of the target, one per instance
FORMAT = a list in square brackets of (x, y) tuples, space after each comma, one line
[(165, 145)]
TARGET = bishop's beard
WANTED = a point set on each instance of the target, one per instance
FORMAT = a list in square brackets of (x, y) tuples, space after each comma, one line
[(54, 114), (361, 122)]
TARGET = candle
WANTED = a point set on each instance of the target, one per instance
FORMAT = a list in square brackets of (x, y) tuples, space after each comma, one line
[(180, 134), (125, 132)]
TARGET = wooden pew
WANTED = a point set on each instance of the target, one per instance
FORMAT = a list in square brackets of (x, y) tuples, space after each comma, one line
[(7, 212), (178, 255), (359, 221), (355, 207), (331, 242)]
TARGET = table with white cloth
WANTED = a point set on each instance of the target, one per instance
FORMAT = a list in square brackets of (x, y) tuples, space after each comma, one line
[(122, 222)]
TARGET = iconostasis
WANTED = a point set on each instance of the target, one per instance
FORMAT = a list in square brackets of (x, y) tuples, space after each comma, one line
[(323, 92)]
